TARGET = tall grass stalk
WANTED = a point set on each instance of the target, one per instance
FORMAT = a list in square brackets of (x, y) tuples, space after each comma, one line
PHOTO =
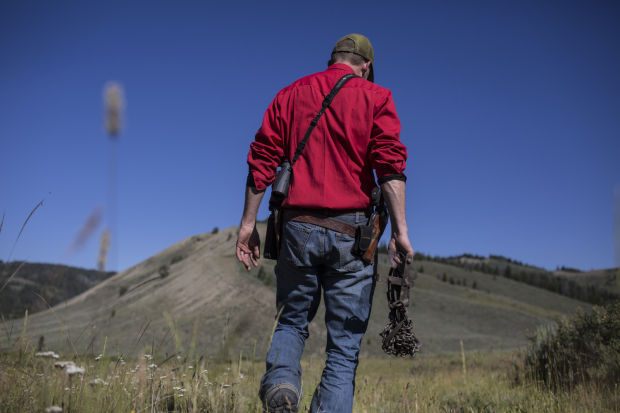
[(8, 280), (175, 333), (105, 343), (192, 347), (275, 325), (21, 230), (463, 360), (23, 341)]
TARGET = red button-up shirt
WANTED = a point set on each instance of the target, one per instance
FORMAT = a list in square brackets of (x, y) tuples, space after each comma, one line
[(359, 132)]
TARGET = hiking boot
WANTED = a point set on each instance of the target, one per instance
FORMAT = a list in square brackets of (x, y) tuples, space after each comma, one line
[(281, 399)]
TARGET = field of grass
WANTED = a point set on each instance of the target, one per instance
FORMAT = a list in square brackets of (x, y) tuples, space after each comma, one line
[(429, 383), (185, 331)]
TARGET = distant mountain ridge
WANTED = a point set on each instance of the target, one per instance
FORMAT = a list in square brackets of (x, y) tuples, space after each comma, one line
[(37, 286), (595, 287)]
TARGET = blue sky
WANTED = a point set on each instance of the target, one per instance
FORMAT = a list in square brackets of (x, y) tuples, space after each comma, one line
[(510, 111)]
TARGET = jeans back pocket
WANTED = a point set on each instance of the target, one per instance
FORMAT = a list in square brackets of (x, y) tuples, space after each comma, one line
[(348, 261), (295, 236)]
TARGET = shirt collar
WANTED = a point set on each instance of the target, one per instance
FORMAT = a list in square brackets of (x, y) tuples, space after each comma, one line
[(341, 66)]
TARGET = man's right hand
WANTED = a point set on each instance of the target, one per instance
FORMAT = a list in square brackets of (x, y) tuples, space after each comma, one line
[(248, 243), (248, 246), (400, 243)]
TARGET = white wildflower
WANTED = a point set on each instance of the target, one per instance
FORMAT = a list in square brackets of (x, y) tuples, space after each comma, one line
[(63, 364), (148, 357), (98, 381), (190, 367), (98, 357), (73, 370), (67, 389), (178, 357), (50, 354), (53, 409), (241, 376), (204, 372), (152, 366)]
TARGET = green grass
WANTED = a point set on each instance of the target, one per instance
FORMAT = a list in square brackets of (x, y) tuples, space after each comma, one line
[(428, 383)]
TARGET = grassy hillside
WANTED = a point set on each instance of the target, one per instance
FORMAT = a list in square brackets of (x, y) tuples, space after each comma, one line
[(196, 292), (595, 287), (191, 289), (607, 279), (35, 287)]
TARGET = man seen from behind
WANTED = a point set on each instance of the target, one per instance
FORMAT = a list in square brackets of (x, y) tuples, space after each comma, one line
[(332, 180)]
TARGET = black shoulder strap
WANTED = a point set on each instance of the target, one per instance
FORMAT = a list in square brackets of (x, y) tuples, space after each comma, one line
[(326, 102)]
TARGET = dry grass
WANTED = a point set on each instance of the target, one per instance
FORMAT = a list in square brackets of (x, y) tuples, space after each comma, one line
[(21, 230), (150, 380), (189, 383)]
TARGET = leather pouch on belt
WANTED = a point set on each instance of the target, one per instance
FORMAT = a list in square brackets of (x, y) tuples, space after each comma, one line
[(363, 238), (271, 238)]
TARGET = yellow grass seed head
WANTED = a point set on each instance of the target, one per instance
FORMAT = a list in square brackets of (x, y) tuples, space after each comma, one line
[(114, 106), (103, 249), (91, 224)]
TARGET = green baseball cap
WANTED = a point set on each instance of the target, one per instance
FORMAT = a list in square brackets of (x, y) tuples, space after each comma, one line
[(360, 46)]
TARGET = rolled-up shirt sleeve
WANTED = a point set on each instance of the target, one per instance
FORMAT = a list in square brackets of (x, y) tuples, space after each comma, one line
[(266, 152), (388, 155)]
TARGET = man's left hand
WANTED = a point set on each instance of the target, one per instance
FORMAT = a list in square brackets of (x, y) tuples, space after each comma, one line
[(248, 246)]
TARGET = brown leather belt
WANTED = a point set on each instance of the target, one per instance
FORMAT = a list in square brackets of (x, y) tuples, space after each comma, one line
[(320, 219)]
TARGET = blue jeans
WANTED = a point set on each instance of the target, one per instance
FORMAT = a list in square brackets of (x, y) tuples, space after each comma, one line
[(312, 259)]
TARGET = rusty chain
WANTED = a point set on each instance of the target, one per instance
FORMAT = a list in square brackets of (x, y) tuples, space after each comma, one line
[(398, 336)]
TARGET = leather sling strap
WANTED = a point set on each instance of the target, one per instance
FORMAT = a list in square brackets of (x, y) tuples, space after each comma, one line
[(274, 204), (325, 222), (326, 102)]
